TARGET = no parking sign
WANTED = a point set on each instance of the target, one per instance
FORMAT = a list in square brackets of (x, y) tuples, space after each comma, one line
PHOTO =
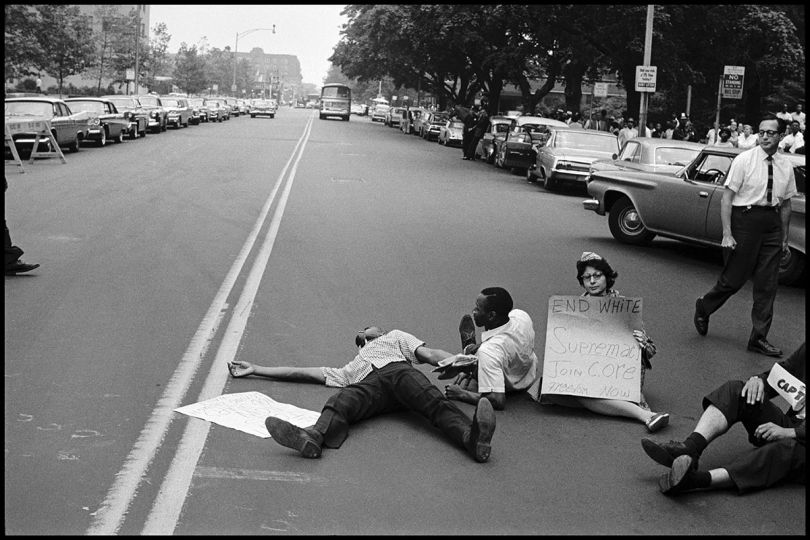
[(733, 77)]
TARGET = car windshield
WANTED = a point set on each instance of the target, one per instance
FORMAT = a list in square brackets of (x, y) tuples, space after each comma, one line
[(665, 155), (124, 102), (88, 106), (36, 108), (501, 128), (262, 104), (335, 92), (148, 100), (456, 124), (582, 140), (171, 103), (195, 102), (439, 119)]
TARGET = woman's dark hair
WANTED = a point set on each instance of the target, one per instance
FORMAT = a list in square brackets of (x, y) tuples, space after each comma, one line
[(600, 265)]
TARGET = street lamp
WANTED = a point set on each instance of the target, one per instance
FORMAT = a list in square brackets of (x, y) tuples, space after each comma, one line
[(236, 45)]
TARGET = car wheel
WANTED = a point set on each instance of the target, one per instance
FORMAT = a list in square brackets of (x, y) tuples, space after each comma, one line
[(625, 224), (550, 183), (791, 267), (74, 145), (164, 125), (120, 137), (102, 140), (142, 133), (530, 177)]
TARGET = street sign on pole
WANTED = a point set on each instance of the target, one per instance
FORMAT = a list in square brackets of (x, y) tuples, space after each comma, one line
[(645, 78), (600, 89), (733, 77)]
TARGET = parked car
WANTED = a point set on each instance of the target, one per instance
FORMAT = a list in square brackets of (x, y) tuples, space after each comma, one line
[(262, 107), (135, 115), (178, 111), (516, 150), (394, 116), (359, 109), (686, 205), (567, 154), (379, 109), (106, 123), (244, 106), (218, 109), (433, 125), (651, 155), (69, 128), (158, 115), (407, 125), (452, 133), (498, 127), (199, 111)]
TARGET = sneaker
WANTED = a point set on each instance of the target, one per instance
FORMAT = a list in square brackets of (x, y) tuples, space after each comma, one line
[(466, 328), (657, 422), (307, 441), (665, 453), (678, 478), (483, 427)]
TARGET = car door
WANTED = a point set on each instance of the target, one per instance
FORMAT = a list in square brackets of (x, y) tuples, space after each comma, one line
[(688, 205), (63, 124)]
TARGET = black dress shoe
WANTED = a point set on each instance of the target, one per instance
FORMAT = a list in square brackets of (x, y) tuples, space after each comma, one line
[(665, 453), (762, 346), (483, 427), (701, 319), (466, 329), (18, 267), (679, 478), (307, 442)]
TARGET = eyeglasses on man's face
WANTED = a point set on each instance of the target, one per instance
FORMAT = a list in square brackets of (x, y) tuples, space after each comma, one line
[(768, 132)]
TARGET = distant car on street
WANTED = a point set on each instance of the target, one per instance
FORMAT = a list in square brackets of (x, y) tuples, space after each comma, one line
[(516, 151), (158, 115), (262, 107), (178, 111), (567, 154), (394, 116), (432, 126), (452, 133), (498, 127), (686, 206), (218, 110), (135, 115), (106, 123), (199, 112)]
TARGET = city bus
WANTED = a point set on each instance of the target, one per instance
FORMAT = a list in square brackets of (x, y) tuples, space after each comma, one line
[(336, 100)]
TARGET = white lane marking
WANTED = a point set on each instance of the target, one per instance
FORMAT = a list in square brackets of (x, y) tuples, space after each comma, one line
[(110, 515), (168, 504)]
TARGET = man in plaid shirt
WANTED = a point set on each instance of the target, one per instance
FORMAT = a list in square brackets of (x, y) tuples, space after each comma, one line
[(387, 381)]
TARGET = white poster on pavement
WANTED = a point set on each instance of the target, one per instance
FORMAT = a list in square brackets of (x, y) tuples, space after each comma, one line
[(590, 348), (247, 411)]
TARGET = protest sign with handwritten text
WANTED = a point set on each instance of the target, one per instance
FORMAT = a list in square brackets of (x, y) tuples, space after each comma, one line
[(590, 348)]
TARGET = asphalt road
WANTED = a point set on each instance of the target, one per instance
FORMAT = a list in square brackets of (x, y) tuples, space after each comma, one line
[(274, 241)]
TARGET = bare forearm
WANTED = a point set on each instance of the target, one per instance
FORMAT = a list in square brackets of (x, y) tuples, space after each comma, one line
[(284, 373)]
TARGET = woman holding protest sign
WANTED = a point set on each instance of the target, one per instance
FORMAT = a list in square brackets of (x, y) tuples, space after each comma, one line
[(597, 278)]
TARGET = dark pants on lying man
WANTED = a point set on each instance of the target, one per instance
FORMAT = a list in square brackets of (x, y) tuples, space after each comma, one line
[(395, 387), (768, 462)]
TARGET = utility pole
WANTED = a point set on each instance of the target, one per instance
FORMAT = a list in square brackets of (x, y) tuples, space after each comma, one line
[(137, 48), (642, 113), (236, 46)]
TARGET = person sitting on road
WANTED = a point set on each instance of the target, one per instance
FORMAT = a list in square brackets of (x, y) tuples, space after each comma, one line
[(391, 384), (597, 278), (779, 438), (506, 360)]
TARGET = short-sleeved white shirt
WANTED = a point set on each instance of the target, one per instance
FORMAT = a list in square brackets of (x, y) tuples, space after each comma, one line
[(748, 178), (506, 359), (393, 346)]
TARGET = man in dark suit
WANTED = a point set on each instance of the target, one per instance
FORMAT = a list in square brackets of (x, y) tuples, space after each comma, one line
[(779, 438)]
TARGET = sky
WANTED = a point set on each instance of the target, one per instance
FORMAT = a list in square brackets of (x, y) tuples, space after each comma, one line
[(309, 32)]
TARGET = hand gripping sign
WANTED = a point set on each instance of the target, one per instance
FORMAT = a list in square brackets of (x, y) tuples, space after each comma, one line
[(789, 387), (590, 348)]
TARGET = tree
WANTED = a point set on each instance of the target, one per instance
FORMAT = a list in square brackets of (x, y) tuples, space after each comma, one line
[(102, 64), (156, 59), (189, 70), (65, 39), (22, 22)]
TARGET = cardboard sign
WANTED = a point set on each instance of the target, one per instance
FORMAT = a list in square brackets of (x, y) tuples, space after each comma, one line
[(590, 348), (789, 387)]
